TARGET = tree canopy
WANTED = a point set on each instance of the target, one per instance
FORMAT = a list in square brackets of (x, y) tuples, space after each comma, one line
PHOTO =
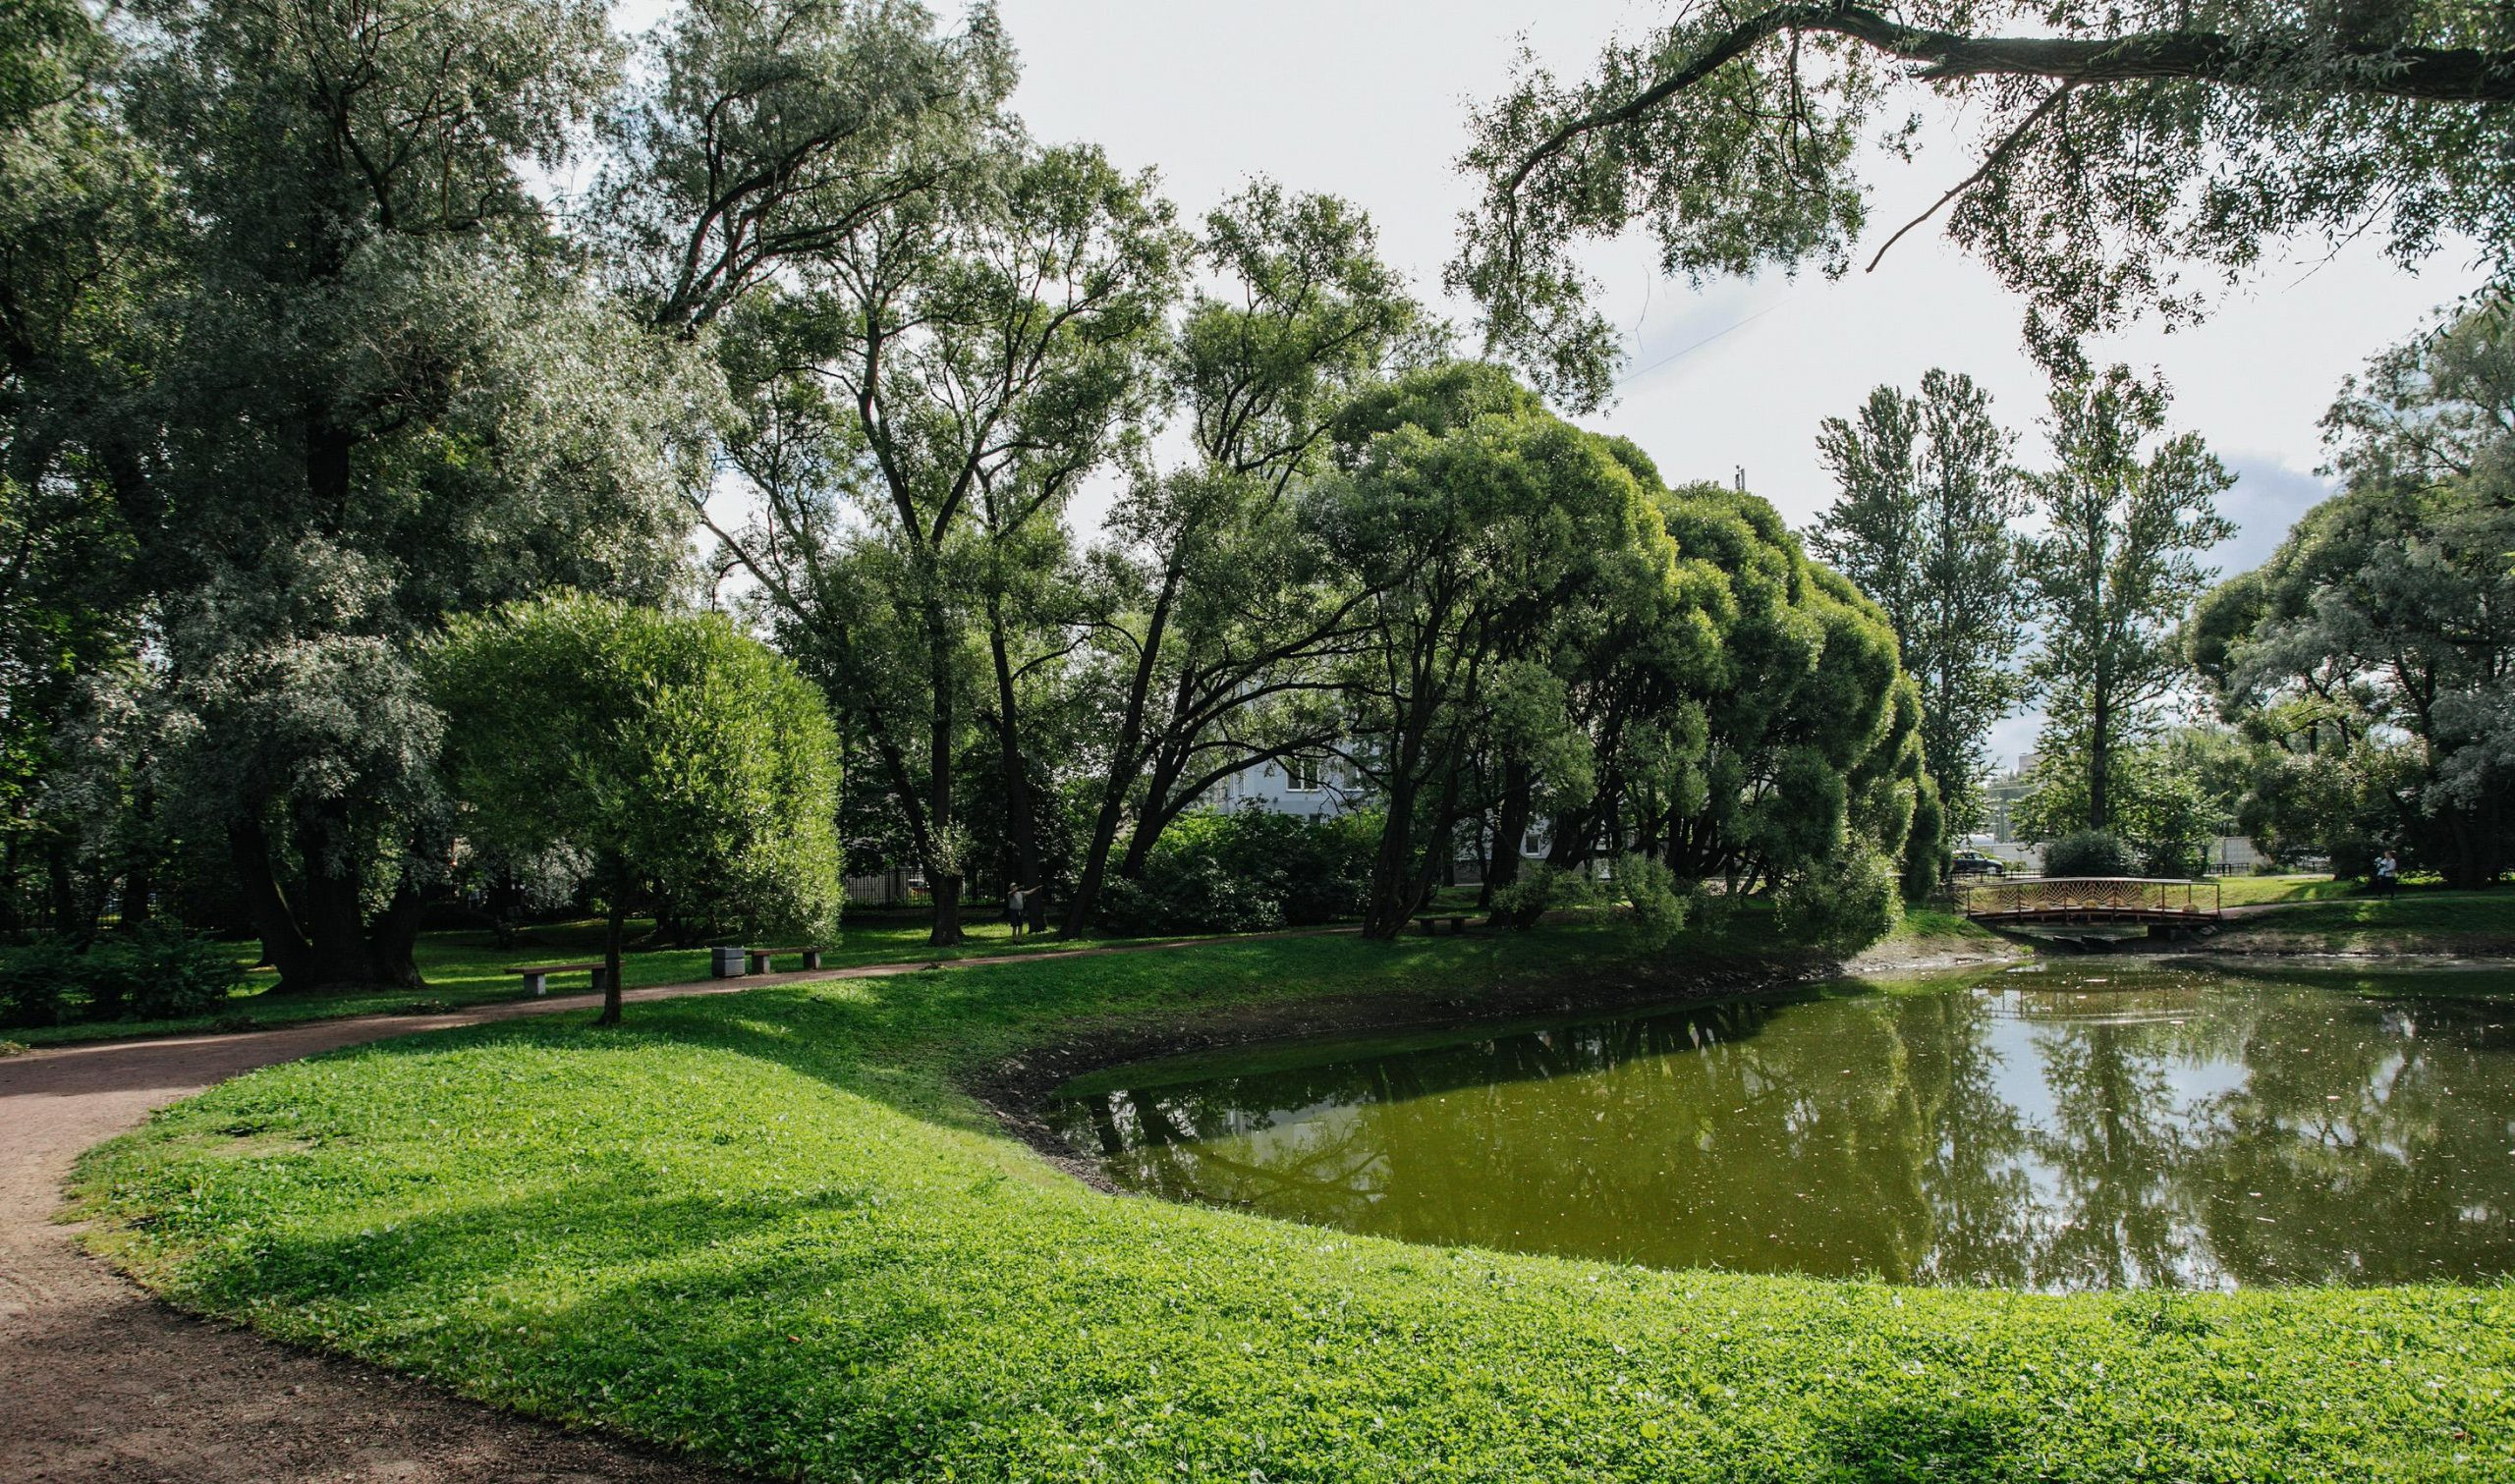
[(2118, 145), (680, 760)]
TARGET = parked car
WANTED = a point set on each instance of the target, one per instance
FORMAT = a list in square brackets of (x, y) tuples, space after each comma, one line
[(1975, 863)]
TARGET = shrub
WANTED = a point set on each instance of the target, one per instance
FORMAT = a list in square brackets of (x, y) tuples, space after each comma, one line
[(166, 974), (1246, 872), (35, 984), (2088, 852), (156, 974), (1843, 903), (2176, 859)]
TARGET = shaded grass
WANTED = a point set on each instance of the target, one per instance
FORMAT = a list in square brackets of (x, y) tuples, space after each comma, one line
[(2247, 891), (768, 1228), (467, 967), (2417, 919)]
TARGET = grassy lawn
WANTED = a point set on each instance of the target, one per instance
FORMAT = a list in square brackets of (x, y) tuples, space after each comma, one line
[(767, 1228), (2247, 891), (2418, 920), (467, 967)]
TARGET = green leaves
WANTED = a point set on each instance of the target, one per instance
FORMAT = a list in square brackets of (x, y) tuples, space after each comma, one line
[(674, 750)]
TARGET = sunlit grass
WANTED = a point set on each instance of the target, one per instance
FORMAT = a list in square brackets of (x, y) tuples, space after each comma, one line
[(770, 1229)]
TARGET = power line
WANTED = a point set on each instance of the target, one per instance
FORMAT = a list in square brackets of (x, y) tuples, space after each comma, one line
[(1632, 377)]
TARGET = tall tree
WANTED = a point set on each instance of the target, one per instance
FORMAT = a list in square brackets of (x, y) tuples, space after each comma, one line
[(1217, 612), (1922, 526), (954, 365), (385, 396), (2127, 516), (1470, 519), (2374, 653), (2116, 142)]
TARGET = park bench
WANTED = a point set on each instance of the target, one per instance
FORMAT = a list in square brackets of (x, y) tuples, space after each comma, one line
[(759, 956), (536, 980), (1432, 922)]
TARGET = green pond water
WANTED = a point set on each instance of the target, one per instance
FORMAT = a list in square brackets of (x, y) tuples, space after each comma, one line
[(2086, 1125)]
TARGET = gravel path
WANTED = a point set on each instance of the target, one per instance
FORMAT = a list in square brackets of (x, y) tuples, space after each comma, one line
[(98, 1380)]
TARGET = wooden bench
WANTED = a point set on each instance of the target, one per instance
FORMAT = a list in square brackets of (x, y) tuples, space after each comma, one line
[(536, 980), (758, 957), (1432, 922)]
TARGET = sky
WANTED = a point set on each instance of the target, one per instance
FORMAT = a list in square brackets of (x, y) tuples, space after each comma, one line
[(1369, 99)]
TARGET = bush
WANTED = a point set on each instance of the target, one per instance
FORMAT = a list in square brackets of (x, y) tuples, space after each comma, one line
[(1247, 871), (1844, 903), (2172, 859), (2088, 852), (166, 974), (156, 974), (35, 982)]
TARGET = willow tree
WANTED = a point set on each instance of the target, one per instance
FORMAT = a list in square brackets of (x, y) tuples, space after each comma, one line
[(378, 394), (2374, 655), (2116, 146), (1470, 520), (1216, 617)]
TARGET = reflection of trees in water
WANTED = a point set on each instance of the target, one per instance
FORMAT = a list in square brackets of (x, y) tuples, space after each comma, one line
[(2114, 1141), (2383, 1130)]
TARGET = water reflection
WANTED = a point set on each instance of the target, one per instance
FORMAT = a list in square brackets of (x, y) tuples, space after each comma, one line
[(2071, 1129)]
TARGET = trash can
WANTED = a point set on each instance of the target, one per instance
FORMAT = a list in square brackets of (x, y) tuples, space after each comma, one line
[(726, 962)]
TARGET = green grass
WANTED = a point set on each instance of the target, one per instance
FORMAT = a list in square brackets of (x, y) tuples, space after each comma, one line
[(2418, 920), (2246, 891), (768, 1228), (467, 967)]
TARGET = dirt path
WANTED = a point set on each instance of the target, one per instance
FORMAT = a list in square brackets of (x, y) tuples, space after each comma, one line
[(98, 1380)]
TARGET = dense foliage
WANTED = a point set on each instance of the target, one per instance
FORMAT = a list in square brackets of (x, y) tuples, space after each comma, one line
[(681, 761), (1928, 494), (1247, 870), (2374, 657), (158, 973)]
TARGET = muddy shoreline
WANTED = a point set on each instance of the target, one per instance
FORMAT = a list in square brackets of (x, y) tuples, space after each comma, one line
[(1016, 1088)]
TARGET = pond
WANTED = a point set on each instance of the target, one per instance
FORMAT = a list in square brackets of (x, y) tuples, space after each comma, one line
[(2085, 1124)]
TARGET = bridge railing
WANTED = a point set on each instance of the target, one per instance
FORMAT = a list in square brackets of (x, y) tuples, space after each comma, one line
[(2060, 895)]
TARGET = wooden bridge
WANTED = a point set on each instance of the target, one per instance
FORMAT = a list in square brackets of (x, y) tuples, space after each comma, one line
[(2091, 900)]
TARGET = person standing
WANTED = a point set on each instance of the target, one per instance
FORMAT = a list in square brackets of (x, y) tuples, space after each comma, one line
[(2387, 874), (1013, 910)]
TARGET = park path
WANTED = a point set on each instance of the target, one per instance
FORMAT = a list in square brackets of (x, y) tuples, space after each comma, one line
[(99, 1381)]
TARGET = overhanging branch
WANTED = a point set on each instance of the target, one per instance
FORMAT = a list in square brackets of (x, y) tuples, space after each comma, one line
[(2425, 73)]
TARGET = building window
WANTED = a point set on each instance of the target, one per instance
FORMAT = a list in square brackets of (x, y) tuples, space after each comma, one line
[(1303, 774)]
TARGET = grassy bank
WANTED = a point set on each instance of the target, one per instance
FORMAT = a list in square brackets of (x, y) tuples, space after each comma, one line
[(770, 1229), (2416, 920), (2252, 890), (471, 968)]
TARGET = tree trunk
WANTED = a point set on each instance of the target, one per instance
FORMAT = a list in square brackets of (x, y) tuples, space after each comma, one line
[(284, 946), (1016, 791), (331, 906), (615, 920), (1125, 762), (943, 865), (1510, 828), (391, 941), (2099, 762)]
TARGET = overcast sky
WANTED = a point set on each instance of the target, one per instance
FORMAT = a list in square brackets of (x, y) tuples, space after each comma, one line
[(1368, 100)]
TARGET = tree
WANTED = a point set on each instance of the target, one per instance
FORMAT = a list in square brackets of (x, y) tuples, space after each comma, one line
[(1218, 617), (1922, 525), (686, 762), (2116, 571), (370, 390), (956, 364), (2117, 142), (2374, 653), (1473, 522)]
